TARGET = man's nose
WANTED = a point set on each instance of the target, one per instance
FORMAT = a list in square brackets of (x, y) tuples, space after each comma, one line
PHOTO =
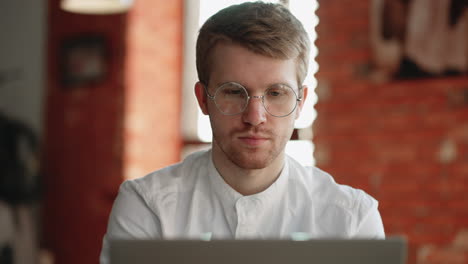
[(255, 113)]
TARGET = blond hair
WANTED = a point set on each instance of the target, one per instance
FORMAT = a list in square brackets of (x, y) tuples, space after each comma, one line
[(264, 28)]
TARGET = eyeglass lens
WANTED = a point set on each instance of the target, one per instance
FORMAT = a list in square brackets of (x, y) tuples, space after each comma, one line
[(232, 98)]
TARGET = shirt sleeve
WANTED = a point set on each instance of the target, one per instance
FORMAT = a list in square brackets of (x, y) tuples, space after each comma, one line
[(370, 225), (130, 218)]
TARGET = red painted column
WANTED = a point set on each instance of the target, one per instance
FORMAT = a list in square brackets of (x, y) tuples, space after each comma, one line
[(83, 145), (96, 132)]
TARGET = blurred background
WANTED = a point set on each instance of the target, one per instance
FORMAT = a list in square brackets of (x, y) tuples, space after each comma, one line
[(88, 100)]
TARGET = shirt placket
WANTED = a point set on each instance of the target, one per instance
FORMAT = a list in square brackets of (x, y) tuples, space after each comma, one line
[(247, 209)]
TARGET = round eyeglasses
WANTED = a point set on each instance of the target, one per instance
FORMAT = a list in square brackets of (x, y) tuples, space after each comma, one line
[(232, 98)]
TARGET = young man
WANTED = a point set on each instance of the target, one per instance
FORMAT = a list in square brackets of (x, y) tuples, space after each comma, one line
[(251, 61)]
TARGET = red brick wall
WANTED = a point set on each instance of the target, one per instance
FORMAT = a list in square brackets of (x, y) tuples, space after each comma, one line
[(96, 133), (404, 142), (153, 86)]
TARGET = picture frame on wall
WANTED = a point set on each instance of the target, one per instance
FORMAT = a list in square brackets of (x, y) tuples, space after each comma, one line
[(418, 38), (83, 60)]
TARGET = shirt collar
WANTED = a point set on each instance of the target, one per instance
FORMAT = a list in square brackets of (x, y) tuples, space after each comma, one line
[(229, 196)]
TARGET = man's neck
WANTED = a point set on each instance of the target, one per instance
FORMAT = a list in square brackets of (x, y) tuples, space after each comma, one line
[(247, 181)]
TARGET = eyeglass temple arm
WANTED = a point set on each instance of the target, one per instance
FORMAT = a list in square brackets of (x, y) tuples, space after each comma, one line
[(206, 91)]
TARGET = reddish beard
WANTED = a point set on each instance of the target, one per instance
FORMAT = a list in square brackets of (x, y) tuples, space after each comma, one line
[(250, 157)]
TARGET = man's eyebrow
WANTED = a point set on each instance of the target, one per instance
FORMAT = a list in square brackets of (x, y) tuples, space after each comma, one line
[(281, 83), (294, 87), (248, 88)]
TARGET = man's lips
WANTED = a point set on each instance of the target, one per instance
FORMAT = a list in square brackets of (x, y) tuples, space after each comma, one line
[(253, 140)]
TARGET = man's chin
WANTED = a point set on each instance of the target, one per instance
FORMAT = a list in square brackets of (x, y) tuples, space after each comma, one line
[(251, 166), (248, 162), (249, 158)]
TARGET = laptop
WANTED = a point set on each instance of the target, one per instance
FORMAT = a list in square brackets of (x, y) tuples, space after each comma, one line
[(329, 251)]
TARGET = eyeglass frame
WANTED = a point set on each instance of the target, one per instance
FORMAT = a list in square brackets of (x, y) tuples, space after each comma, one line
[(213, 97)]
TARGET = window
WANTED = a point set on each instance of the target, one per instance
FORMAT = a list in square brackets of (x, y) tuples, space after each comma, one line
[(196, 126)]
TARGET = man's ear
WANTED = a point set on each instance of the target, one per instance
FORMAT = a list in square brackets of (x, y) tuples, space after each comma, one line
[(305, 91), (201, 97)]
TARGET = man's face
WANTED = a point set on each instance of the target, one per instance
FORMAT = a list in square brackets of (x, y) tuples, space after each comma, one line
[(253, 139)]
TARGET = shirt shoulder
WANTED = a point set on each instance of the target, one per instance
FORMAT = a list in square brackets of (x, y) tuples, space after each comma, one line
[(322, 187), (328, 198), (327, 189), (177, 178)]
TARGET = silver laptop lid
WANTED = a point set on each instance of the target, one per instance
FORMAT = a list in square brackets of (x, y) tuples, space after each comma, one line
[(330, 251)]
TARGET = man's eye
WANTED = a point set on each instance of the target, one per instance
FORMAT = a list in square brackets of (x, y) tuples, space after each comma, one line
[(275, 93), (233, 91)]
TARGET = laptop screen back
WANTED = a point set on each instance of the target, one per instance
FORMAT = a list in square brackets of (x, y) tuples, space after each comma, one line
[(389, 251)]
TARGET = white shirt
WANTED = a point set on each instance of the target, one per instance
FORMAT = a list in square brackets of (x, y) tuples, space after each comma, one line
[(190, 200)]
